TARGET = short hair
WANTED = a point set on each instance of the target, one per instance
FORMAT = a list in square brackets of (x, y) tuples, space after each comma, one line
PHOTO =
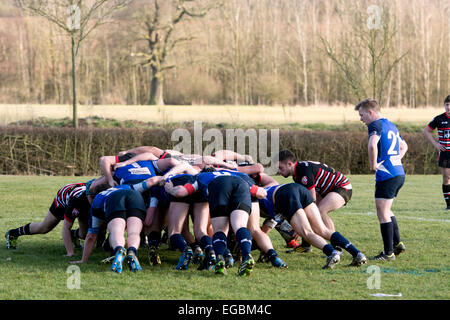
[(447, 100), (368, 104), (286, 155)]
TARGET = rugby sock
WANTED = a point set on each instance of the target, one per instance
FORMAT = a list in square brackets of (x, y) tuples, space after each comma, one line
[(244, 239), (446, 193), (387, 231), (23, 230), (74, 233), (271, 255), (338, 240), (177, 241), (132, 249), (226, 252), (117, 249), (396, 233), (328, 249), (154, 237), (219, 242), (206, 244)]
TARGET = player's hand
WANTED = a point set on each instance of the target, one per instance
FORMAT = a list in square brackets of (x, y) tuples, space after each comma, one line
[(377, 165), (119, 165), (261, 193), (112, 183), (439, 147), (168, 186)]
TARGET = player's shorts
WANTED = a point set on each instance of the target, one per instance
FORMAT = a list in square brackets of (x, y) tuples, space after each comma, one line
[(124, 204), (226, 194), (291, 197), (57, 210), (388, 189), (344, 193), (444, 159)]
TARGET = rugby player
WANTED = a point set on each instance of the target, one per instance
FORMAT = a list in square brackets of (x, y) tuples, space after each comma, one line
[(295, 203), (121, 208), (386, 149), (442, 124), (329, 188), (69, 203)]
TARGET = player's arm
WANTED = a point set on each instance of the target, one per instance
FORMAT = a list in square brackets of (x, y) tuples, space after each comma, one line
[(256, 168), (106, 164), (182, 190), (139, 157), (312, 191), (89, 244), (147, 184), (427, 132), (143, 149), (403, 146), (67, 237), (181, 167), (373, 152), (231, 155), (267, 181)]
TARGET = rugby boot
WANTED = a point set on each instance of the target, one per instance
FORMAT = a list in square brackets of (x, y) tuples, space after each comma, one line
[(220, 268), (229, 261), (359, 260), (133, 262), (332, 260), (11, 241), (399, 248), (198, 256), (118, 259), (185, 259), (279, 263), (384, 257), (153, 256), (246, 267)]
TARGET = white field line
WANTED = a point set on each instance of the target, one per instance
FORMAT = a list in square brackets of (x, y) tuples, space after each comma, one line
[(369, 213)]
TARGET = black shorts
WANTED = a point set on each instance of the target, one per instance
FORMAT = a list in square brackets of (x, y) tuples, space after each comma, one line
[(344, 193), (291, 197), (124, 204), (388, 189), (226, 194), (444, 159), (57, 210)]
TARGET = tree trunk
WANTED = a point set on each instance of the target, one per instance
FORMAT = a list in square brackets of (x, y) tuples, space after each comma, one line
[(74, 86)]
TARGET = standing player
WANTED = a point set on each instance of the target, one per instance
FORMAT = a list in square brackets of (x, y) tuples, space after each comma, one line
[(386, 150), (442, 123)]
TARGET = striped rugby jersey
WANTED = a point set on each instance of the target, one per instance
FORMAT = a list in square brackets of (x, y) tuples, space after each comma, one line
[(442, 123), (318, 175), (67, 192)]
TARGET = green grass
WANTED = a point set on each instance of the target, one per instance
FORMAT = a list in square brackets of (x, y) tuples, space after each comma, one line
[(37, 270)]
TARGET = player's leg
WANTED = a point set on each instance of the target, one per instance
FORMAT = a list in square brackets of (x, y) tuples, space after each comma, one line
[(176, 220), (262, 238), (220, 224), (154, 231), (446, 185), (49, 223), (201, 222), (134, 228), (116, 228), (331, 202), (301, 225)]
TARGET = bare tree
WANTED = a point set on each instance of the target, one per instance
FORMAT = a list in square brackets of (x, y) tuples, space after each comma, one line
[(76, 18), (158, 32)]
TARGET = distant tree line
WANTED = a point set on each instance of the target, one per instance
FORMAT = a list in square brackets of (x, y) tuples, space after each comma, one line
[(249, 52)]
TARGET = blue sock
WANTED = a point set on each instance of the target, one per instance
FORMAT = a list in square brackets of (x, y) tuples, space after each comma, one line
[(226, 253), (339, 240), (132, 249), (387, 231), (154, 238), (271, 255), (116, 249), (244, 239), (219, 242), (328, 249), (177, 241), (206, 243), (396, 235)]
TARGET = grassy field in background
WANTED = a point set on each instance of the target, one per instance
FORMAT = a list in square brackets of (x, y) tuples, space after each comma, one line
[(230, 114), (38, 269)]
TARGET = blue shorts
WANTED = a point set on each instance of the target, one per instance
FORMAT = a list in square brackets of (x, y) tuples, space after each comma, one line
[(388, 189)]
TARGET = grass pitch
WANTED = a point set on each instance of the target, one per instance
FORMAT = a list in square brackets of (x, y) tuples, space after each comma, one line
[(38, 269)]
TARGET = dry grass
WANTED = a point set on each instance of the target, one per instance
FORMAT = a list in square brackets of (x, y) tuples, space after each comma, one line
[(224, 114)]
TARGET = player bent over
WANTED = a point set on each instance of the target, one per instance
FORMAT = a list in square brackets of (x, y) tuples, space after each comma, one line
[(386, 149), (69, 203), (121, 208), (297, 205)]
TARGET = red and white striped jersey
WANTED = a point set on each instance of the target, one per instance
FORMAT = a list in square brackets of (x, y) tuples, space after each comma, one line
[(318, 175), (442, 123), (73, 190)]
